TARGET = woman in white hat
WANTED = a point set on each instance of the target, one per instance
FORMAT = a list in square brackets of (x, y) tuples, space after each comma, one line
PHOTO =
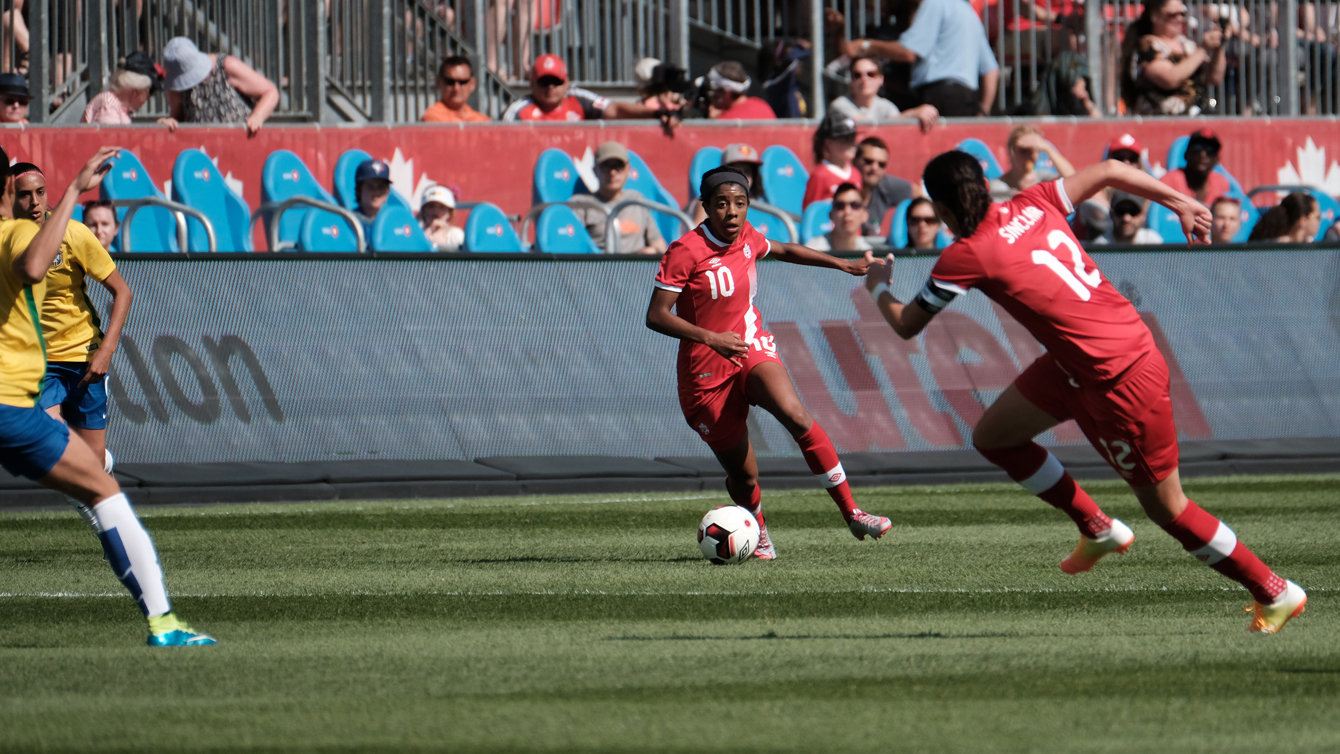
[(439, 206), (136, 77), (205, 88)]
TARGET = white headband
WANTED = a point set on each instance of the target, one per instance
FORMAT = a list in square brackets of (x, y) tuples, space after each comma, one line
[(717, 81)]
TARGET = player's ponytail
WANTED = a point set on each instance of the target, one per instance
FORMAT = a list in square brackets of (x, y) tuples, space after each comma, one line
[(955, 180)]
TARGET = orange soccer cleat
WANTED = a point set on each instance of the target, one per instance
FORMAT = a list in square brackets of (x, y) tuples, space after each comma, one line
[(1089, 551)]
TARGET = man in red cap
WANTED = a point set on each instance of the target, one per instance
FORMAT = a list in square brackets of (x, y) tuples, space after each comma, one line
[(553, 97), (1093, 217), (1198, 179)]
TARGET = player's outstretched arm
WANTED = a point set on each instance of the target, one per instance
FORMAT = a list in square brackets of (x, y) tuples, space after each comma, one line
[(798, 254), (661, 318), (1195, 217), (906, 320), (32, 264)]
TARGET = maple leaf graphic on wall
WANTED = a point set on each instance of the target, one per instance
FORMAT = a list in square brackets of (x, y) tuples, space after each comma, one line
[(1311, 170)]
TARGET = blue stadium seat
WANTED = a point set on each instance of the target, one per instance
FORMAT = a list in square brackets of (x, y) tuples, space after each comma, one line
[(978, 148), (396, 229), (1164, 222), (285, 176), (78, 213), (770, 226), (642, 180), (898, 226), (325, 231), (784, 178), (555, 177), (199, 185), (1250, 215), (815, 222), (1330, 211), (345, 167), (704, 159), (560, 232), (488, 229), (153, 229)]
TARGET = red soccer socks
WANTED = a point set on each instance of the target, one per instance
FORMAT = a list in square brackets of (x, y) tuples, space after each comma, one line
[(751, 500), (822, 459), (1039, 472), (1211, 542)]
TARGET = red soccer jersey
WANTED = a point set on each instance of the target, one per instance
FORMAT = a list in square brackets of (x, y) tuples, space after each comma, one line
[(825, 179), (1024, 257), (1216, 185), (716, 284)]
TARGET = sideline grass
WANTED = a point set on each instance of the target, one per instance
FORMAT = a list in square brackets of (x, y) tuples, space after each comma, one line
[(592, 624)]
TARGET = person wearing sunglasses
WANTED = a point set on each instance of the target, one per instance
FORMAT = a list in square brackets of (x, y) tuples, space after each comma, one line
[(923, 225), (882, 191), (14, 98), (455, 84), (863, 103), (553, 97), (1093, 218), (1129, 213), (1163, 72), (848, 215), (1198, 178)]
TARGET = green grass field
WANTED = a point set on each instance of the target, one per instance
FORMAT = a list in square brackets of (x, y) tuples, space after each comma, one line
[(593, 624)]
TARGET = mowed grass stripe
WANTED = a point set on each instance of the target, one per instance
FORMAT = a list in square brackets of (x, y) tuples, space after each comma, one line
[(591, 624)]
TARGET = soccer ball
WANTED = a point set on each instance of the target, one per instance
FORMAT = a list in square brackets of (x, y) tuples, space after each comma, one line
[(728, 535)]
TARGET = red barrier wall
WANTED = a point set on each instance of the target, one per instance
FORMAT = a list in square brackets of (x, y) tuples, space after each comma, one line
[(495, 162)]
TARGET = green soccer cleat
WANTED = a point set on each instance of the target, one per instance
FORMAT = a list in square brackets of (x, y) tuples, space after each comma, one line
[(170, 631)]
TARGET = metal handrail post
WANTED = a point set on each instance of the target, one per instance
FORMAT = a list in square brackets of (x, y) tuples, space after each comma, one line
[(679, 33), (1289, 41), (611, 232), (817, 104), (276, 209), (179, 212), (379, 34), (39, 28), (1093, 50), (576, 202), (313, 58), (780, 214)]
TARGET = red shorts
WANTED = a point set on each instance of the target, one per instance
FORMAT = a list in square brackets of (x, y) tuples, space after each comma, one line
[(718, 414), (1130, 422)]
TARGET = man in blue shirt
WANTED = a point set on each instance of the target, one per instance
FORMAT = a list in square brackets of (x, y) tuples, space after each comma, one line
[(953, 67)]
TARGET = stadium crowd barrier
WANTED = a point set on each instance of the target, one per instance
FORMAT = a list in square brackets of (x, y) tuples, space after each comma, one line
[(277, 358), (495, 162)]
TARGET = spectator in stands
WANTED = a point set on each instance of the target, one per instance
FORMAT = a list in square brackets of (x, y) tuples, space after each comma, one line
[(923, 225), (849, 216), (455, 84), (1025, 146), (205, 88), (100, 217), (1163, 72), (954, 68), (834, 151), (745, 159), (553, 97), (14, 32), (1296, 219), (435, 214), (135, 79), (372, 181), (636, 231), (729, 98), (1227, 221), (14, 98), (1092, 218), (880, 190), (864, 105), (1129, 213), (1198, 178), (660, 86)]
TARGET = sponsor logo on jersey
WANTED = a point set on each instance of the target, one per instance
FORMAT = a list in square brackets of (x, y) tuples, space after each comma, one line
[(703, 428), (1020, 223), (715, 261), (747, 251), (704, 375)]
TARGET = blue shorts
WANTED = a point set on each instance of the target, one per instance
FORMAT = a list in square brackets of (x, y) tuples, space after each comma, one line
[(83, 407), (31, 442)]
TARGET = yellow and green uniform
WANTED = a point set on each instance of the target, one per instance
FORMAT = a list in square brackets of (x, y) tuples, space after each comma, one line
[(69, 322), (22, 349)]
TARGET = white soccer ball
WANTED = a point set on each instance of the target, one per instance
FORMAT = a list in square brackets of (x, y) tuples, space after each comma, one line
[(728, 535)]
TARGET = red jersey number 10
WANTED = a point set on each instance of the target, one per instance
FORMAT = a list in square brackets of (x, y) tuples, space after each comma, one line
[(722, 282), (1093, 278)]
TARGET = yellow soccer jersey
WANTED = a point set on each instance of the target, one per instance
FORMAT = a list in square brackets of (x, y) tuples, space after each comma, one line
[(22, 350), (69, 322)]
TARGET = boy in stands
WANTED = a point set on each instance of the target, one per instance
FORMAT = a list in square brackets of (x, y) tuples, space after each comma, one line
[(727, 362), (36, 446), (1101, 368)]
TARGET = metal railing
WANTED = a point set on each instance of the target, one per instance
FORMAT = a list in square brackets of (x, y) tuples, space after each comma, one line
[(376, 60), (179, 213)]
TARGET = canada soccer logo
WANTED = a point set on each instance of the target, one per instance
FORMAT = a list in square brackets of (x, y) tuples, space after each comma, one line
[(747, 251)]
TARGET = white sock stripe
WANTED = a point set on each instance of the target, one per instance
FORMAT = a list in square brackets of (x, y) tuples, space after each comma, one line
[(114, 514), (1046, 477), (1219, 547), (833, 477)]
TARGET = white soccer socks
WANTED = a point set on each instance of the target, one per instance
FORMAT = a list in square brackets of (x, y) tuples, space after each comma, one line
[(130, 552)]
